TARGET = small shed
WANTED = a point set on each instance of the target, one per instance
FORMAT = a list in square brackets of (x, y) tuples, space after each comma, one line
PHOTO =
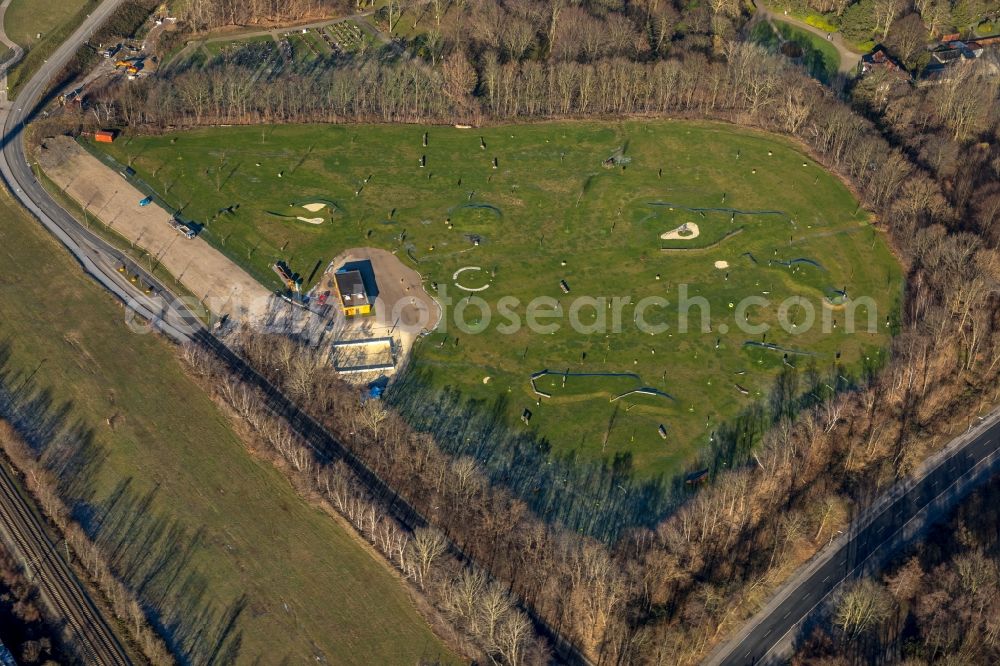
[(104, 136)]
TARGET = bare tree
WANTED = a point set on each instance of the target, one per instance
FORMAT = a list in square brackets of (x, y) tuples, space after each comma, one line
[(863, 607), (427, 545)]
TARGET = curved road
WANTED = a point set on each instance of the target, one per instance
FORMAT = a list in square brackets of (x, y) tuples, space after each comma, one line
[(98, 258), (16, 52), (894, 521), (165, 312), (848, 59), (59, 585)]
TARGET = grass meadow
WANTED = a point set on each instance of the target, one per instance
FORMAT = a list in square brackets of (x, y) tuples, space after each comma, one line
[(53, 20), (819, 55), (232, 565), (549, 210)]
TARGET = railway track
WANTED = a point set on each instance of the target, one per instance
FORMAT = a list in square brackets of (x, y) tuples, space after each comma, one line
[(59, 586)]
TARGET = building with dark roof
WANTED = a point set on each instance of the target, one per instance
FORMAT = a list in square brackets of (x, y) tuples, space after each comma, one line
[(352, 293), (879, 57)]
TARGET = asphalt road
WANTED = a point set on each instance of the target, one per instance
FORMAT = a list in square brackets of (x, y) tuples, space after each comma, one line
[(163, 310), (16, 52), (98, 258), (848, 59), (894, 521)]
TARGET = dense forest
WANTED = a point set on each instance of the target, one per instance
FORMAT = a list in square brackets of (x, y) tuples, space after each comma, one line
[(924, 159)]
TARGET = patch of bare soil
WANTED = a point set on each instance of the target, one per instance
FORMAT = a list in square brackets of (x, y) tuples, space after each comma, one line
[(222, 285)]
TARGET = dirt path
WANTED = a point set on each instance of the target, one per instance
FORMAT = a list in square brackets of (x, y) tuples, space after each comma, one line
[(220, 284)]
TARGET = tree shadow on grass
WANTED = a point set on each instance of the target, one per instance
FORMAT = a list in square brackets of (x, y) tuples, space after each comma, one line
[(603, 499), (598, 498), (152, 553)]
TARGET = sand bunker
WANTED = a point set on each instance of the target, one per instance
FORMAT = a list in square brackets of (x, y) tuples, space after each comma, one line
[(314, 207), (311, 220), (686, 231), (722, 264)]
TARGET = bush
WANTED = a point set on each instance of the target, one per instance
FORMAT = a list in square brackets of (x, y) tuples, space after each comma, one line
[(827, 23)]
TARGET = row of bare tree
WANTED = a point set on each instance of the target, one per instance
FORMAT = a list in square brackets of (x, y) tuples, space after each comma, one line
[(484, 620), (43, 484), (662, 594), (201, 15), (665, 595), (937, 604)]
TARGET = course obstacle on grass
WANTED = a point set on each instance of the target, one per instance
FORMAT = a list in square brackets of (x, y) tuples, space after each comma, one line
[(699, 248), (800, 260), (468, 269), (645, 390), (542, 373), (314, 204), (732, 211), (477, 206), (298, 218), (687, 231), (770, 346), (642, 390)]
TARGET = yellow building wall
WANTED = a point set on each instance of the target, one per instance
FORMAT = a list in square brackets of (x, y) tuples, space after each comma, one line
[(363, 310)]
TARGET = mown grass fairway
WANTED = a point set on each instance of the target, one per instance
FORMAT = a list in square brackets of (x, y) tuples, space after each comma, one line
[(234, 565), (755, 198)]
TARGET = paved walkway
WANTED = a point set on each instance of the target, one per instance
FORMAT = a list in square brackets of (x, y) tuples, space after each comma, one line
[(848, 59), (16, 53)]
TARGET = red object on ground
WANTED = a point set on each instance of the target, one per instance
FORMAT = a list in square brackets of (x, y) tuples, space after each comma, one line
[(104, 136)]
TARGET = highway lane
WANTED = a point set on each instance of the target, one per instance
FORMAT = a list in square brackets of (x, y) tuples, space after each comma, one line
[(98, 258), (167, 313), (898, 518), (851, 555)]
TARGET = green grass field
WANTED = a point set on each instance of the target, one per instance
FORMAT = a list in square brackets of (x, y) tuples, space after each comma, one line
[(232, 561), (52, 19), (550, 201), (264, 50), (818, 56)]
